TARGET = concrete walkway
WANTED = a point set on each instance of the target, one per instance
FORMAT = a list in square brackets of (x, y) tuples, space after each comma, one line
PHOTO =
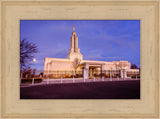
[(76, 80)]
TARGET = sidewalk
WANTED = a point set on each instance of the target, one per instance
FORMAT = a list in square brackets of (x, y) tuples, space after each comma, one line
[(76, 80)]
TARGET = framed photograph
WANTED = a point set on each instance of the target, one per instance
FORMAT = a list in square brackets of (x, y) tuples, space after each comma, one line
[(85, 63), (80, 59)]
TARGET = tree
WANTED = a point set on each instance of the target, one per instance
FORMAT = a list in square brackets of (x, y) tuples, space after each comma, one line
[(29, 72), (76, 64), (120, 65), (134, 66), (27, 51)]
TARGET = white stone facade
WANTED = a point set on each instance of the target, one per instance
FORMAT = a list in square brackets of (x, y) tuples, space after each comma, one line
[(59, 64)]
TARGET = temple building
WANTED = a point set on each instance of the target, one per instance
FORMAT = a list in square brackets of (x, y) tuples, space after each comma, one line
[(52, 65)]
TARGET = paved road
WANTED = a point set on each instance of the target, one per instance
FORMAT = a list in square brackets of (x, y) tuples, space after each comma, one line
[(90, 90)]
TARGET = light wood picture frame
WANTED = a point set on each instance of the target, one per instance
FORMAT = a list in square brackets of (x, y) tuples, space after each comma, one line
[(12, 11)]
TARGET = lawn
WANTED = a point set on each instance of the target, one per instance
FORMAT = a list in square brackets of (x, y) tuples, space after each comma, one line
[(92, 90)]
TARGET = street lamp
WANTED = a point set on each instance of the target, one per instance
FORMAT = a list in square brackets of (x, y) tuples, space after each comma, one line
[(34, 60)]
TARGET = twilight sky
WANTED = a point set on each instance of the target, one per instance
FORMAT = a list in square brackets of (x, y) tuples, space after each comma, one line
[(102, 40)]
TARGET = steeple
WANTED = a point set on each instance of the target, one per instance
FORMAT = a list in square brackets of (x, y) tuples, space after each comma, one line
[(73, 29), (74, 42), (74, 46)]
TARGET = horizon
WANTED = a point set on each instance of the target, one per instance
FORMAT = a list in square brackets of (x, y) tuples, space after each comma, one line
[(120, 39)]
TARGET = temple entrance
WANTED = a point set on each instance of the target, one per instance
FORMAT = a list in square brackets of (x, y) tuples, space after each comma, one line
[(95, 71), (92, 70)]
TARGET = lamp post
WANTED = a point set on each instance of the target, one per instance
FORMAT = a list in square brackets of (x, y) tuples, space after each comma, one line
[(34, 60)]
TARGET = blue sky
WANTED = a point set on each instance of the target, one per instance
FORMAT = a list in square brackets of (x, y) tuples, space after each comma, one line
[(102, 40)]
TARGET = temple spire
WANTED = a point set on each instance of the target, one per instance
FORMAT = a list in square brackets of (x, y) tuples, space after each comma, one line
[(73, 29), (74, 51)]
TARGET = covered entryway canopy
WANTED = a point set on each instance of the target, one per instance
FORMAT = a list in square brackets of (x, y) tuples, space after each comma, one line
[(90, 67)]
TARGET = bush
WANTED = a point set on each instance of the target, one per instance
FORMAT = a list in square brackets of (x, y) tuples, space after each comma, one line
[(55, 77), (91, 77), (29, 80), (97, 75), (135, 76), (107, 75), (114, 76), (78, 75), (67, 76)]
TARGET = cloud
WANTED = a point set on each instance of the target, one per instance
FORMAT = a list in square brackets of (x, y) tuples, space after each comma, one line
[(94, 57), (112, 57)]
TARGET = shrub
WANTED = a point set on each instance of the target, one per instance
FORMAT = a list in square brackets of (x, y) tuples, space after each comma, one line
[(55, 77), (91, 77), (67, 76), (135, 76), (78, 75), (97, 75), (29, 80), (107, 75), (114, 76)]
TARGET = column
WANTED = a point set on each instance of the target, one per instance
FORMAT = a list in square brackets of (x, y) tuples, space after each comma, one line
[(121, 73), (72, 44), (76, 44), (90, 72), (93, 72), (103, 68), (125, 74), (86, 71)]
